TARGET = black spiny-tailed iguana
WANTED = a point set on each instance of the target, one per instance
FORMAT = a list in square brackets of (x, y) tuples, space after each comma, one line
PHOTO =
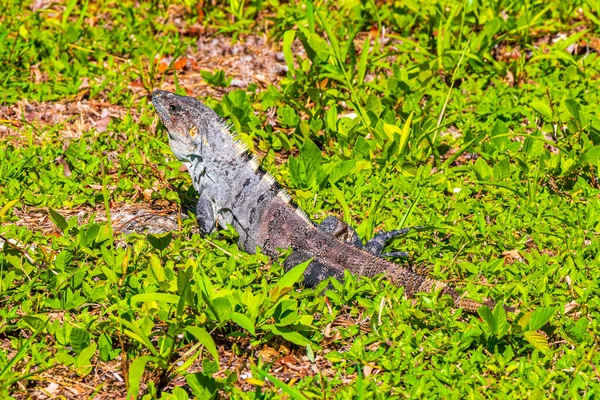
[(234, 190)]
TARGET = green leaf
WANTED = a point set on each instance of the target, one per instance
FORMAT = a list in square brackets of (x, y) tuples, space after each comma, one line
[(340, 170), (160, 242), (574, 108), (288, 40), (486, 314), (540, 317), (7, 206), (63, 259), (362, 63), (136, 333), (203, 386), (89, 235), (285, 388), (537, 340), (59, 220), (136, 370), (161, 297), (205, 340), (501, 321), (156, 268), (591, 155), (243, 321), (543, 108), (482, 169), (80, 339), (293, 275), (290, 335), (339, 196)]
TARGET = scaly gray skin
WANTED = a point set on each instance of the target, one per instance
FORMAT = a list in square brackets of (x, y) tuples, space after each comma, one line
[(234, 190)]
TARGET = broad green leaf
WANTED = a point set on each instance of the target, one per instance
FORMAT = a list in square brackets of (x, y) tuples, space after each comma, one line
[(89, 234), (390, 130), (537, 340), (80, 339), (591, 155), (160, 297), (540, 317), (136, 370), (59, 220), (205, 339), (160, 242), (288, 40), (486, 314), (290, 335), (63, 260), (340, 170), (501, 321), (285, 388), (574, 108), (156, 268), (293, 275), (543, 108), (243, 321), (202, 385)]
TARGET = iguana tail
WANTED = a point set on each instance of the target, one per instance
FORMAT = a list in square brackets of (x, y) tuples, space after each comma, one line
[(415, 283)]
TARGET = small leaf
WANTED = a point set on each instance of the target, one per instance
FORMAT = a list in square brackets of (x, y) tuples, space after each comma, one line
[(7, 207), (537, 340), (486, 314), (288, 40), (136, 370), (63, 259), (540, 317), (203, 386), (293, 275), (59, 220), (204, 339), (160, 242), (243, 321), (80, 339), (290, 335), (161, 297)]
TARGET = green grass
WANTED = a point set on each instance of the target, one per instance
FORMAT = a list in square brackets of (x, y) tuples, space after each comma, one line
[(477, 120)]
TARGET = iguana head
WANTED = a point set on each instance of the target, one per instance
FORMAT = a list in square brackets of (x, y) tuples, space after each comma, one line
[(188, 123)]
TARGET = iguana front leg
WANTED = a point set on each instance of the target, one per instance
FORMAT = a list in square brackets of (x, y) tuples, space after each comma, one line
[(345, 233), (205, 214)]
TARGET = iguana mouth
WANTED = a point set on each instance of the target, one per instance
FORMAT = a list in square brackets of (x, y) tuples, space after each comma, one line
[(159, 102)]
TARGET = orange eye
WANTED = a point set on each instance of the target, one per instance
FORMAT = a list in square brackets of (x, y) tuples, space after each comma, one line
[(193, 131)]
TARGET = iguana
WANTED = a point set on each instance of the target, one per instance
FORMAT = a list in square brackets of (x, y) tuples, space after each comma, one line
[(234, 190)]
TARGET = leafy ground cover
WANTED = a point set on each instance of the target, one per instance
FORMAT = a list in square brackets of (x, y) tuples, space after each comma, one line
[(476, 120)]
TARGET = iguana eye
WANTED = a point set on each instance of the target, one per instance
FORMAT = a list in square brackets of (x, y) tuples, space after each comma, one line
[(193, 131)]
